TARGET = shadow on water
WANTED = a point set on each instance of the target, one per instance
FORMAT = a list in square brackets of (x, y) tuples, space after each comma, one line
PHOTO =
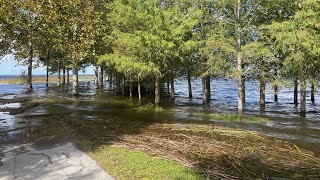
[(183, 129)]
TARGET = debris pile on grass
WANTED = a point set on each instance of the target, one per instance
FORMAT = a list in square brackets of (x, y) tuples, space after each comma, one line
[(212, 150)]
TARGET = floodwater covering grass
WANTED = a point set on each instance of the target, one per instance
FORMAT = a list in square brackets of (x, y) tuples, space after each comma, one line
[(233, 117), (139, 142), (132, 148)]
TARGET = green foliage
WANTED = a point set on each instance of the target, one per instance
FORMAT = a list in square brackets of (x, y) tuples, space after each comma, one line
[(299, 39), (147, 37), (23, 78)]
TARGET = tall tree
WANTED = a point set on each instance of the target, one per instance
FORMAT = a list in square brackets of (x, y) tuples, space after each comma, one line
[(299, 38), (76, 28)]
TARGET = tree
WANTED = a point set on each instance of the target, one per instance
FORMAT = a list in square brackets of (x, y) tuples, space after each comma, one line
[(237, 16), (299, 38), (75, 26), (148, 34)]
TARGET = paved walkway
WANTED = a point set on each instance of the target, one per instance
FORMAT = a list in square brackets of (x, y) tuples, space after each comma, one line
[(55, 158)]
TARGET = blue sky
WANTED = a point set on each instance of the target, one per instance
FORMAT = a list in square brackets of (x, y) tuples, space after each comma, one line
[(9, 66)]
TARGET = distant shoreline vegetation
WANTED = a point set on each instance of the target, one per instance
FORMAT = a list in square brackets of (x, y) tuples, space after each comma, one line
[(16, 79)]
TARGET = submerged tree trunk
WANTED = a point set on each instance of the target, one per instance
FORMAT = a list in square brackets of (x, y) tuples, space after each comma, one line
[(243, 89), (312, 92), (157, 91), (262, 95), (239, 60), (75, 85), (206, 89), (64, 75), (123, 85), (276, 91), (29, 80), (139, 89), (118, 83), (101, 75), (241, 83), (96, 74), (130, 87), (110, 80), (168, 84), (295, 95), (59, 73), (152, 86), (172, 84), (47, 77), (302, 96), (189, 84), (68, 76)]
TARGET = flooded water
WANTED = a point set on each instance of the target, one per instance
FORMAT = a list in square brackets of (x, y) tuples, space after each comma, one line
[(224, 98), (284, 121)]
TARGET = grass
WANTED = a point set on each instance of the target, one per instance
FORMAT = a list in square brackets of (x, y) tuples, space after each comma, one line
[(40, 79), (125, 164), (150, 108), (233, 117), (133, 145), (167, 151)]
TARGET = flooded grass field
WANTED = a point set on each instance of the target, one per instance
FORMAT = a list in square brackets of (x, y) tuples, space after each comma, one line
[(212, 140)]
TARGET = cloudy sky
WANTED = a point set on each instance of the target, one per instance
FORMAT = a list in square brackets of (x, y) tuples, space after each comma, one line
[(9, 66)]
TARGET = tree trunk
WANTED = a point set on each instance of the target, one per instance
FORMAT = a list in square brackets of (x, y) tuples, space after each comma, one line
[(123, 85), (64, 75), (59, 74), (189, 84), (312, 92), (243, 89), (157, 91), (239, 60), (262, 95), (206, 89), (172, 84), (96, 74), (68, 76), (152, 86), (47, 77), (139, 89), (276, 90), (101, 75), (30, 69), (168, 83), (110, 80), (118, 83), (302, 96), (295, 95), (130, 87), (75, 86)]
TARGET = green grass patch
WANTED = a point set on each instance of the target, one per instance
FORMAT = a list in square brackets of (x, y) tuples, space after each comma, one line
[(150, 108), (234, 117), (124, 163)]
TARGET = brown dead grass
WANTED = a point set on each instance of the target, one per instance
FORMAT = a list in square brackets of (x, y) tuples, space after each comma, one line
[(215, 151)]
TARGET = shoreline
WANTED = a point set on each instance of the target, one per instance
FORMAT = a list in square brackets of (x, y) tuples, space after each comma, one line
[(125, 137), (36, 79)]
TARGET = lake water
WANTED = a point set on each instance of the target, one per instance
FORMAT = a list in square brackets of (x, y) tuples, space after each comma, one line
[(284, 121)]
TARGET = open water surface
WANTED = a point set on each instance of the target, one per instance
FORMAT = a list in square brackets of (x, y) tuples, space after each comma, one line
[(284, 121)]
